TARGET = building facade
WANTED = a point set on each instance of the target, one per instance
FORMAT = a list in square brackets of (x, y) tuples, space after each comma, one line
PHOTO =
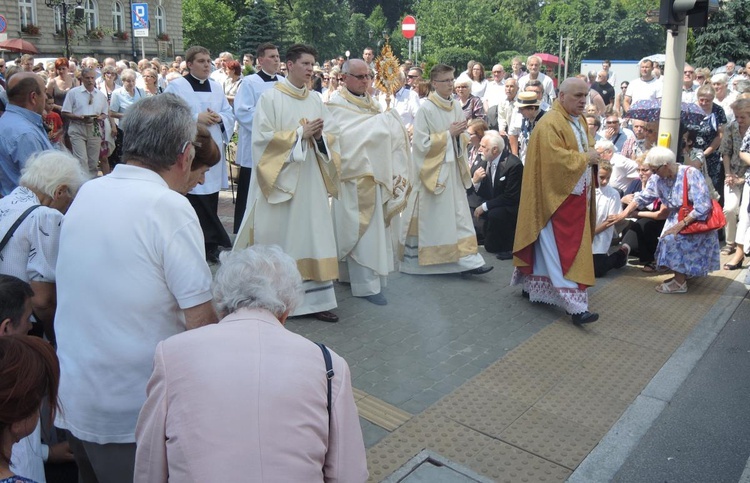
[(98, 28)]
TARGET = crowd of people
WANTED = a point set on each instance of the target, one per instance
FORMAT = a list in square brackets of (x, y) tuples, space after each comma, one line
[(338, 181)]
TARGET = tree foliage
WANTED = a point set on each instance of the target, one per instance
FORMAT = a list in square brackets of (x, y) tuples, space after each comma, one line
[(204, 22), (600, 29), (726, 37), (258, 26), (320, 23)]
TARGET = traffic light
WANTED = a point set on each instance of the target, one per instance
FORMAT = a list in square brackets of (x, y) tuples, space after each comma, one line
[(673, 12)]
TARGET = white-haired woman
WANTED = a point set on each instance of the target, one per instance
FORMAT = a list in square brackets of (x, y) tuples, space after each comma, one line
[(471, 104), (248, 383), (49, 181), (687, 255)]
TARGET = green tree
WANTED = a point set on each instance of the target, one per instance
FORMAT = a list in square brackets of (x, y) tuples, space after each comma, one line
[(464, 24), (258, 26), (319, 22), (726, 37), (609, 29), (209, 24)]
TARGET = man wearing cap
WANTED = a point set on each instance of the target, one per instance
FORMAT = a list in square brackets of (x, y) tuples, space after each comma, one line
[(529, 113), (554, 234)]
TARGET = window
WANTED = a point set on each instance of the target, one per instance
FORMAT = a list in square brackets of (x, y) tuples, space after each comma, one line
[(161, 23), (58, 15), (90, 14), (26, 12), (117, 18)]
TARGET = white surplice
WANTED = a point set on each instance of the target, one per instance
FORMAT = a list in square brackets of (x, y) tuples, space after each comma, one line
[(217, 176)]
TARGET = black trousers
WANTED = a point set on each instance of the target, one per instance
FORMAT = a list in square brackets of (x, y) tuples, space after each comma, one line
[(603, 263), (643, 237), (500, 229), (240, 203), (206, 207)]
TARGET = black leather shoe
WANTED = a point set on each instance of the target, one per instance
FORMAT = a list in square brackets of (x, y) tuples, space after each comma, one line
[(584, 318), (504, 256), (478, 271), (377, 299), (326, 316), (524, 294)]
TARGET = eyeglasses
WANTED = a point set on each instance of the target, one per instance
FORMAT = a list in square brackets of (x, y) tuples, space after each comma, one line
[(688, 72), (461, 86), (188, 143), (444, 80), (612, 122), (362, 77), (412, 76)]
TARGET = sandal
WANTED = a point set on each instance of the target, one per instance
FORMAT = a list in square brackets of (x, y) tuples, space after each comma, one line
[(672, 286), (734, 266), (728, 249)]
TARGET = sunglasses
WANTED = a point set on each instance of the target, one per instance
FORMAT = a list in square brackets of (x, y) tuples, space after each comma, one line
[(362, 76)]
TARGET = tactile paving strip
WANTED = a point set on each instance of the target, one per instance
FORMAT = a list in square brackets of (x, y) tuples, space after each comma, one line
[(379, 412), (535, 414)]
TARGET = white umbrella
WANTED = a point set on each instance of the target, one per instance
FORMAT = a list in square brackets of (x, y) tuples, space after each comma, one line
[(657, 58)]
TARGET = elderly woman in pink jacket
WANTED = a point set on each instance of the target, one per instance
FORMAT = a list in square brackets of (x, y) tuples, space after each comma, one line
[(246, 399)]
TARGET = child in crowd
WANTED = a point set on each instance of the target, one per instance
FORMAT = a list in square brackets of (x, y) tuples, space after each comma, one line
[(607, 203), (53, 123)]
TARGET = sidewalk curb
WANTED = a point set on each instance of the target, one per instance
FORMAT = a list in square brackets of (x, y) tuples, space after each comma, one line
[(605, 460)]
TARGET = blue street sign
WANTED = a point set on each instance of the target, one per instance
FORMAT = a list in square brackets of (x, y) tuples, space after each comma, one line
[(140, 16), (3, 24)]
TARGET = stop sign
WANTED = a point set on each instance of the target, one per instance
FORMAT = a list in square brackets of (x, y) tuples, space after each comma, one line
[(409, 27)]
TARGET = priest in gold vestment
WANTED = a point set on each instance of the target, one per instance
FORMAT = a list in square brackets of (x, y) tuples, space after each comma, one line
[(295, 143), (556, 218), (375, 159)]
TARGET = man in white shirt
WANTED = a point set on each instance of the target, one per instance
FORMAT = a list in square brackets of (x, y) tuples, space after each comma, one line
[(624, 170), (244, 109), (86, 108), (141, 278), (219, 75), (534, 63), (495, 92), (645, 87), (688, 84)]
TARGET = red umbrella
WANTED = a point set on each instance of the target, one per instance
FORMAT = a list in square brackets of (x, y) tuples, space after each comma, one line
[(19, 45), (549, 59)]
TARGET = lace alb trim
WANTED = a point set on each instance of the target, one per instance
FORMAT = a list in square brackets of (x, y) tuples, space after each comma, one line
[(540, 289)]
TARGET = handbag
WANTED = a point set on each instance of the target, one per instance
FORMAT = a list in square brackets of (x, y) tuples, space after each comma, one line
[(715, 220)]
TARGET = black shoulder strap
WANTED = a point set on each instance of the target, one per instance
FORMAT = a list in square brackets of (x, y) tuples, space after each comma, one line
[(15, 225), (329, 374)]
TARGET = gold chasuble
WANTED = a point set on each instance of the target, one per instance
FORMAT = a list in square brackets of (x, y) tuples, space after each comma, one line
[(289, 188), (556, 219), (438, 235), (375, 162)]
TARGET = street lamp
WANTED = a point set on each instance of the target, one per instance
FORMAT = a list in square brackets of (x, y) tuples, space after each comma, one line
[(53, 4)]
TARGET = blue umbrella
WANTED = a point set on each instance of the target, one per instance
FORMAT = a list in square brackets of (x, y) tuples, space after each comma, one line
[(649, 110)]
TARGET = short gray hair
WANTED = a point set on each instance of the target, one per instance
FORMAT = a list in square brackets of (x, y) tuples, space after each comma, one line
[(46, 171), (156, 128), (605, 145), (742, 86), (128, 74), (258, 277), (495, 139), (719, 79), (659, 156)]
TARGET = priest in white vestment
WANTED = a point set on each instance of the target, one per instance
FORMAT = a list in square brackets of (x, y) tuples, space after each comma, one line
[(375, 157), (296, 153), (438, 235), (209, 105)]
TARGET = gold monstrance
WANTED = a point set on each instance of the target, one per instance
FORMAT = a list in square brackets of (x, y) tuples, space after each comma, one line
[(387, 68)]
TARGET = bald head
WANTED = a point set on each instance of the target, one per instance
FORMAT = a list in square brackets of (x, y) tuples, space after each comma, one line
[(573, 93), (26, 89), (354, 71)]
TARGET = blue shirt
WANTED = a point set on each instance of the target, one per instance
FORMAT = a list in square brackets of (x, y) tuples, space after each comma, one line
[(22, 135)]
